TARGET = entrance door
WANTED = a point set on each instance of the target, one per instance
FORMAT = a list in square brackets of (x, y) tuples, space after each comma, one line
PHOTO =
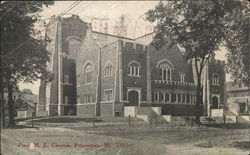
[(133, 98), (215, 102)]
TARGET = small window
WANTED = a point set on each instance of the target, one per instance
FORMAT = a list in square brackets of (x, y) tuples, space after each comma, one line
[(166, 97), (108, 70), (182, 77), (88, 99), (215, 79), (65, 99), (161, 97), (179, 98), (156, 96), (108, 94), (173, 98), (183, 98), (66, 79), (117, 113), (188, 98), (191, 99), (134, 69)]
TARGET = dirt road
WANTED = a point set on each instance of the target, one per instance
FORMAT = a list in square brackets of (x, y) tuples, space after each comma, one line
[(63, 141)]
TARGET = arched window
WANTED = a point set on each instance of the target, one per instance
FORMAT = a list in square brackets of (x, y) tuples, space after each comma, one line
[(165, 72), (215, 79), (88, 71), (108, 70), (74, 46), (134, 68), (165, 69)]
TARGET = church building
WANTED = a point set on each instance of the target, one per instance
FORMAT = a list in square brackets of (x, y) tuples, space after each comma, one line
[(98, 74)]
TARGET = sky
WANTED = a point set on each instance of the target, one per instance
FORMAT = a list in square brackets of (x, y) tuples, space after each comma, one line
[(87, 10)]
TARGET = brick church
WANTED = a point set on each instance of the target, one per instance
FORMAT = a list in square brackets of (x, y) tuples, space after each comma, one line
[(100, 74)]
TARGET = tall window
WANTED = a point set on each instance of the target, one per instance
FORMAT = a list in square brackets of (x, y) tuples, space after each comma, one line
[(165, 73), (179, 98), (88, 71), (166, 97), (182, 77), (183, 98), (155, 96), (165, 69), (215, 79), (65, 99), (108, 94), (108, 70), (188, 98), (66, 79), (173, 98), (74, 47), (161, 97), (134, 69)]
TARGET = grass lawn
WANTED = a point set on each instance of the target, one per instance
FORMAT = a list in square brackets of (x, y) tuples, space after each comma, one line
[(77, 119)]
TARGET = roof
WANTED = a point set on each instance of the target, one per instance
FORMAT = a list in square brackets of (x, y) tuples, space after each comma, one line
[(105, 39), (241, 100), (231, 86), (111, 35)]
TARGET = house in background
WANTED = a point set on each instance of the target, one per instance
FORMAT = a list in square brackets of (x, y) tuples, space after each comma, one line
[(238, 98), (24, 103), (102, 74)]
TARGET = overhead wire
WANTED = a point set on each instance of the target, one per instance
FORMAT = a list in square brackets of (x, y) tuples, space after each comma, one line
[(60, 15)]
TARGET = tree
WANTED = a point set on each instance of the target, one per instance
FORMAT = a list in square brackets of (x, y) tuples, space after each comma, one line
[(200, 27), (23, 52), (27, 91), (238, 45)]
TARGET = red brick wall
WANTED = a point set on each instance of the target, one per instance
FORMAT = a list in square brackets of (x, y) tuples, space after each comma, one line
[(108, 54), (72, 26), (217, 66), (86, 110), (88, 53), (175, 56), (107, 109), (136, 53)]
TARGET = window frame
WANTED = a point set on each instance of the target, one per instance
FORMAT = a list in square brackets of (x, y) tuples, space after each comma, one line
[(108, 70), (111, 95), (90, 72), (134, 70), (66, 79), (182, 77), (215, 79), (66, 100)]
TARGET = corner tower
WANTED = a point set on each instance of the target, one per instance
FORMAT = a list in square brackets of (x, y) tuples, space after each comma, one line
[(65, 35)]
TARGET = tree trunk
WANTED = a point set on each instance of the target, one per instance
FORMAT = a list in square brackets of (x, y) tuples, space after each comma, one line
[(10, 103), (198, 99), (2, 103)]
